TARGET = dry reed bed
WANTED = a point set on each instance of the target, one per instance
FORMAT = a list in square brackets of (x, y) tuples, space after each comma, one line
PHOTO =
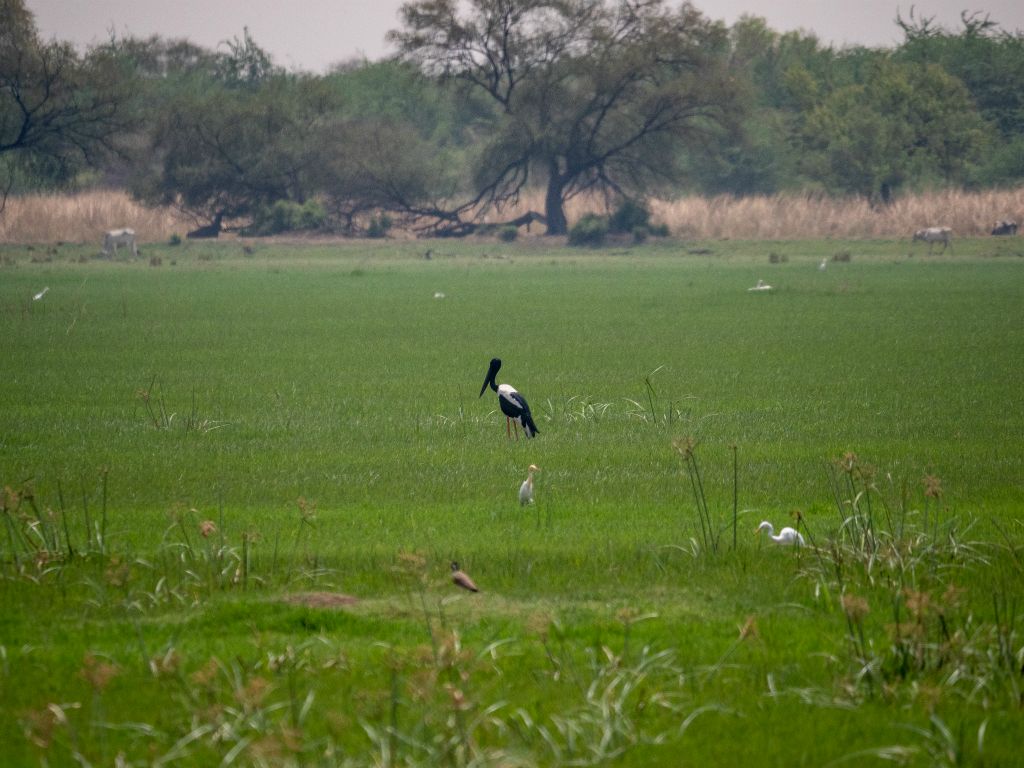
[(82, 218), (779, 217)]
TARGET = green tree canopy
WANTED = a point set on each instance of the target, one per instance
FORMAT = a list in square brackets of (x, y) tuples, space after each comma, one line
[(903, 121), (58, 110), (218, 151)]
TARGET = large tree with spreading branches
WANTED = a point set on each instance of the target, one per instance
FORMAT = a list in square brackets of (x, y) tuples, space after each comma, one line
[(58, 110), (588, 94)]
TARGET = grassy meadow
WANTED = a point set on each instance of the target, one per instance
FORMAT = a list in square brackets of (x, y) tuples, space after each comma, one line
[(235, 475)]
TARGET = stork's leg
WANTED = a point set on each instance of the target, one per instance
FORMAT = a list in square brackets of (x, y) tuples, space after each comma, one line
[(516, 426), (508, 430)]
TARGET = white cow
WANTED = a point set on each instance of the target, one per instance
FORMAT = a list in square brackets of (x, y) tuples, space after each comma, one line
[(933, 235), (116, 237)]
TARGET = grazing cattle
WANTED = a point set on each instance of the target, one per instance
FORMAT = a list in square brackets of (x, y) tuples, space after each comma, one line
[(1005, 227), (933, 235), (116, 237)]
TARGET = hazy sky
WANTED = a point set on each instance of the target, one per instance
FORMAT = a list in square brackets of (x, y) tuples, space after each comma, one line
[(313, 34)]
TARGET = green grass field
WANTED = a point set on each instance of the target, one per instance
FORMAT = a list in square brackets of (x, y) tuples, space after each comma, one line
[(318, 405)]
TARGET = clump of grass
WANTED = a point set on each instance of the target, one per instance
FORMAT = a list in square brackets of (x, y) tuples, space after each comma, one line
[(710, 535), (158, 415)]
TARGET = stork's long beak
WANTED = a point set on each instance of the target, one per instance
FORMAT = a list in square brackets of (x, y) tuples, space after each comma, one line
[(492, 372)]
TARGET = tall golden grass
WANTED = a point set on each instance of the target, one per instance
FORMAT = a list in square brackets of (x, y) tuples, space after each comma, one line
[(796, 216), (82, 218)]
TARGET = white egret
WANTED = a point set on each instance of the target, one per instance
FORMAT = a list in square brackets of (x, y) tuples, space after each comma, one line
[(787, 536), (823, 265), (40, 295), (526, 489), (761, 286), (512, 404), (460, 579)]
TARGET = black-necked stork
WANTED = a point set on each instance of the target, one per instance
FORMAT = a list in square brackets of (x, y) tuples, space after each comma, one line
[(512, 404), (526, 489), (460, 579)]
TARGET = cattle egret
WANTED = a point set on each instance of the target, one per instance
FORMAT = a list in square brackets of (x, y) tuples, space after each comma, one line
[(439, 294), (761, 286), (460, 579), (512, 404), (40, 295), (823, 265), (526, 489), (787, 535)]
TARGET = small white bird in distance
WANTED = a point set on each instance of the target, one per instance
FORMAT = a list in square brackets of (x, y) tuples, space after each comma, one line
[(40, 295), (787, 536), (526, 489), (824, 263), (761, 286)]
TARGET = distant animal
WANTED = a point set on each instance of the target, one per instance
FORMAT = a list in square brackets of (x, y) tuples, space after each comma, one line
[(460, 579), (823, 266), (526, 489), (512, 404), (1005, 227), (116, 237), (933, 235), (787, 536), (761, 286), (40, 295)]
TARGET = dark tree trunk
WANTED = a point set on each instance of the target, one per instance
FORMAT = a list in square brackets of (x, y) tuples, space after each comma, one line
[(554, 208)]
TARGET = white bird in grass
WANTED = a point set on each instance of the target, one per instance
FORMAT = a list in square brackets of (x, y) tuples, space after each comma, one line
[(526, 489), (823, 265), (787, 535), (40, 295), (761, 286)]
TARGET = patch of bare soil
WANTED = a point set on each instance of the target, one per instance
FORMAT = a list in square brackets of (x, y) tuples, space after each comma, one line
[(321, 599)]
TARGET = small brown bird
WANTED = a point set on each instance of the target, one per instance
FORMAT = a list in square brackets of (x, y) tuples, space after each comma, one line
[(460, 579)]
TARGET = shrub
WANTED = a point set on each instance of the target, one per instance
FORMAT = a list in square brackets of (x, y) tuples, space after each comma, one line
[(590, 230), (379, 226), (640, 234), (628, 216), (286, 216), (658, 230), (175, 239), (508, 233)]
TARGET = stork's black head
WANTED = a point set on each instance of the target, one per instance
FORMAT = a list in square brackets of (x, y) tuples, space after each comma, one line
[(492, 373)]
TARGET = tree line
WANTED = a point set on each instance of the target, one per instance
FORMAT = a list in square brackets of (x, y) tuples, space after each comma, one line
[(487, 99)]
